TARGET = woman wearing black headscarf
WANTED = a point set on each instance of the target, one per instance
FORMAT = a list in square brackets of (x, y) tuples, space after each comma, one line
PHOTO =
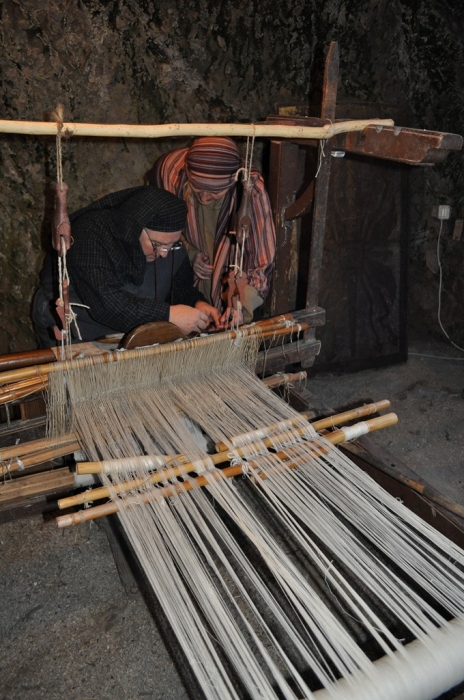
[(127, 266)]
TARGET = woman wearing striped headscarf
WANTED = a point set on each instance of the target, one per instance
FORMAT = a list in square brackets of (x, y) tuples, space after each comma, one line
[(204, 175)]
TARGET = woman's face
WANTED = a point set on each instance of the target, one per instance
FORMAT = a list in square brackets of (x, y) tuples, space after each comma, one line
[(157, 244)]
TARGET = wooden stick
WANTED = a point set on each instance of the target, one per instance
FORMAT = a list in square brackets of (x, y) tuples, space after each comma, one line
[(279, 379), (43, 370), (218, 458), (36, 485), (335, 438), (23, 388), (38, 445), (38, 457), (171, 130), (26, 358), (222, 448), (322, 423)]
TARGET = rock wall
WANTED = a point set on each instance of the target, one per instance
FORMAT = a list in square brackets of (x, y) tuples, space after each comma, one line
[(199, 60)]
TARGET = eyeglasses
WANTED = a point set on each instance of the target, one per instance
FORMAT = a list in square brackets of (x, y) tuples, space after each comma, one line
[(163, 247)]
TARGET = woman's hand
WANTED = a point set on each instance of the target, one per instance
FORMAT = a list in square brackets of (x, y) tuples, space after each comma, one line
[(189, 319), (211, 312), (231, 317), (201, 267)]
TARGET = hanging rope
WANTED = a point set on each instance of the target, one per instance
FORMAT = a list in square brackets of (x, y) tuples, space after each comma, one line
[(237, 277), (62, 241)]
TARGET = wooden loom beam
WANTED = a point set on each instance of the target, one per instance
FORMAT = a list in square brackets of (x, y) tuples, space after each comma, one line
[(285, 162), (270, 331)]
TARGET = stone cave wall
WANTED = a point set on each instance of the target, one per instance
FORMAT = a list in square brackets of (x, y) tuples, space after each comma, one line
[(124, 61)]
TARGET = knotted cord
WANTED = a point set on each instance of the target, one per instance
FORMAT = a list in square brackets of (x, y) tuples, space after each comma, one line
[(62, 240), (242, 226)]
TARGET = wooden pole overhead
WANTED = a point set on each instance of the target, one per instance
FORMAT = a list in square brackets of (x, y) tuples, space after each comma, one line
[(156, 131)]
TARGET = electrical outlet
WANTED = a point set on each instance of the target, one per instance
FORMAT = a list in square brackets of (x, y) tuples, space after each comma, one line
[(443, 211)]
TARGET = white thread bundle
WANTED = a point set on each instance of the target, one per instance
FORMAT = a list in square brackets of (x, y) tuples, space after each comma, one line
[(273, 616)]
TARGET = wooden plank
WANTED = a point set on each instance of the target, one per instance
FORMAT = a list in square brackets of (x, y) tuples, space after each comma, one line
[(284, 181), (398, 143), (321, 195), (364, 270), (12, 429), (401, 144), (314, 319)]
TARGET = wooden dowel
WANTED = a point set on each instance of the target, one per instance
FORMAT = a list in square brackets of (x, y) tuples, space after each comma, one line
[(43, 370), (221, 448), (219, 458), (26, 358), (279, 379), (281, 319), (172, 130), (352, 414), (323, 423), (336, 437)]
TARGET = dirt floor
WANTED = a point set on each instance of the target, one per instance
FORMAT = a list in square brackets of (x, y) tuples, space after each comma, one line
[(427, 394), (72, 626)]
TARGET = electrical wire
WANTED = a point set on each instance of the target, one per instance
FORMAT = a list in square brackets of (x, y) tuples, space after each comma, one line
[(440, 288)]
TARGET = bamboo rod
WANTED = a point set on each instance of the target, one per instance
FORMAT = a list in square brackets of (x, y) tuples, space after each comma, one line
[(19, 360), (360, 412), (279, 379), (321, 424), (92, 360), (23, 388), (219, 458), (332, 421), (172, 130), (27, 448), (19, 463), (23, 492), (87, 514), (352, 414)]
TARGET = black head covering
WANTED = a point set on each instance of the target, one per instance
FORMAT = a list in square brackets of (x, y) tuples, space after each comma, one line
[(145, 206), (156, 209)]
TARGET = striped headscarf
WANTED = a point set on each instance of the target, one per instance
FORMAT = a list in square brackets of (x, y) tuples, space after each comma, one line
[(212, 163)]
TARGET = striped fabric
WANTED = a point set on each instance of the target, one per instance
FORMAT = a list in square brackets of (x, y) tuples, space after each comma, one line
[(171, 172), (212, 163)]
